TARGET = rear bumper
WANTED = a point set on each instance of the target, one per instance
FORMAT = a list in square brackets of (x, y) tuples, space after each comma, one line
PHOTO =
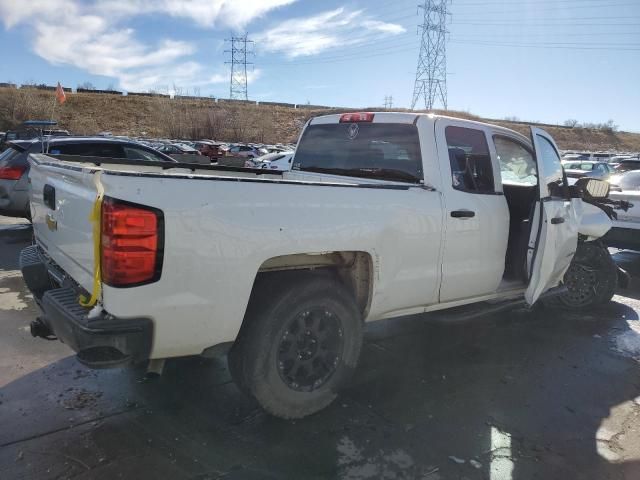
[(100, 340)]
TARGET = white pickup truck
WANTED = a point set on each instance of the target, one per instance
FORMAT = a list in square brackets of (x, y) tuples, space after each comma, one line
[(383, 214)]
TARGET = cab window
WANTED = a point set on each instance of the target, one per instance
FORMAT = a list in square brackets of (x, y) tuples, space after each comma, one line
[(517, 166), (470, 160)]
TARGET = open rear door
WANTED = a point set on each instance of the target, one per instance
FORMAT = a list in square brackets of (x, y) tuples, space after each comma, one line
[(554, 232)]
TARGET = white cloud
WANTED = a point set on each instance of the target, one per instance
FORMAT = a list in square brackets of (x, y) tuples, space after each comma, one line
[(252, 76), (219, 78), (313, 35), (13, 12), (383, 27), (208, 13), (91, 37)]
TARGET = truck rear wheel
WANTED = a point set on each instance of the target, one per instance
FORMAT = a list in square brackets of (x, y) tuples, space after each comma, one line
[(591, 278), (300, 346)]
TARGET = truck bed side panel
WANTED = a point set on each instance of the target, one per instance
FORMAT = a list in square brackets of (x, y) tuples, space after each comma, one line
[(219, 232)]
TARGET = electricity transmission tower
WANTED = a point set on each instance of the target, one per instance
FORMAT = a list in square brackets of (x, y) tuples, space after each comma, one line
[(431, 74), (388, 101), (240, 48)]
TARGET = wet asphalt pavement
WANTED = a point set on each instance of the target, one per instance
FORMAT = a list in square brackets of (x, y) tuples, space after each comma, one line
[(517, 395)]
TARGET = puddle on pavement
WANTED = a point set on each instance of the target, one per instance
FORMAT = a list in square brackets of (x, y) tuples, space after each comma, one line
[(10, 298), (628, 342)]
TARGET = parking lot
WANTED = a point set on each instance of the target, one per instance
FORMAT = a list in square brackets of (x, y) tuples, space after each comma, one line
[(516, 395)]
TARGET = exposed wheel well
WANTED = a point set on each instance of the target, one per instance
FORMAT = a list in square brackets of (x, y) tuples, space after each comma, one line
[(350, 268), (353, 269)]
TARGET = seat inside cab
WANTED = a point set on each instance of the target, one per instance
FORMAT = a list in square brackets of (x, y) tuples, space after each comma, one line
[(520, 186)]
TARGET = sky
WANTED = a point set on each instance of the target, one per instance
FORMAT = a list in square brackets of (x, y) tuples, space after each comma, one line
[(537, 60)]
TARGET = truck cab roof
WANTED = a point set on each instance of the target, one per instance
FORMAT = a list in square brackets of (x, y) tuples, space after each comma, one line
[(408, 118)]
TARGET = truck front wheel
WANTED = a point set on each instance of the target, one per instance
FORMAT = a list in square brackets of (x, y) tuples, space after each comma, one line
[(591, 279), (301, 344)]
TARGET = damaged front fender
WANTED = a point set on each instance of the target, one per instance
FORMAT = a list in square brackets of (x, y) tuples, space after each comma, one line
[(594, 223)]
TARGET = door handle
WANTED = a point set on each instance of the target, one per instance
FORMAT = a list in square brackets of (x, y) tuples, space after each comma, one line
[(463, 214), (557, 220)]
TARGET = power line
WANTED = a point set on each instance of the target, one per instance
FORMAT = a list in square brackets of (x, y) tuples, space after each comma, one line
[(547, 24), (581, 3), (540, 45), (431, 73), (239, 52), (354, 55), (388, 102), (547, 19)]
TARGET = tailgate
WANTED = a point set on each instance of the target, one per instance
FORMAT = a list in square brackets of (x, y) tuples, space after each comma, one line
[(62, 198)]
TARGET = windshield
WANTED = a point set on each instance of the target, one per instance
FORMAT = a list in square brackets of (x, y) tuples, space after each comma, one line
[(586, 167), (388, 151)]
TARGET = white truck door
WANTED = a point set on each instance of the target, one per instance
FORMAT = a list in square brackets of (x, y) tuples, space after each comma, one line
[(554, 232), (476, 216)]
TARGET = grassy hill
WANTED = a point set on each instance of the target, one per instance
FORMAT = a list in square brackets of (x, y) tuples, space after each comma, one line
[(89, 113)]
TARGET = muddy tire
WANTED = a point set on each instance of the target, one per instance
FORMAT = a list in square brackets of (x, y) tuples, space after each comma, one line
[(300, 344), (591, 279)]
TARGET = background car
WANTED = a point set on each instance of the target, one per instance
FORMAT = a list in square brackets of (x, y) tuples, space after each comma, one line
[(25, 133), (177, 149), (575, 170), (14, 166), (184, 153), (273, 161), (246, 151), (627, 165), (209, 149), (625, 232)]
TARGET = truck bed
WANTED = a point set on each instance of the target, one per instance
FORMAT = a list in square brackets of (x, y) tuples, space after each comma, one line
[(222, 226)]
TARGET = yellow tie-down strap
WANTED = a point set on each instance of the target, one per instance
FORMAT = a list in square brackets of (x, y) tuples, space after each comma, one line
[(96, 220)]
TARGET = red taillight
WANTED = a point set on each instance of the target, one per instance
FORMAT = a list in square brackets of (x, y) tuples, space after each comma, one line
[(131, 248), (356, 117), (12, 173)]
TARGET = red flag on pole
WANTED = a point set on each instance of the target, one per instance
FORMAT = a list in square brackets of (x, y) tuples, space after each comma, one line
[(60, 96)]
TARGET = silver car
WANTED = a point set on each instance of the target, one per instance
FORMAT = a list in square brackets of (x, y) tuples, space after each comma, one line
[(14, 182), (14, 167)]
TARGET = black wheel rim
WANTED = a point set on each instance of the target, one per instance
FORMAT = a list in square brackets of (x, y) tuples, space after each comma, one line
[(310, 349), (582, 284)]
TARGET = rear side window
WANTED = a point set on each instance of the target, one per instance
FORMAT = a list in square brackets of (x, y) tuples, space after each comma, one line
[(389, 151), (626, 166), (104, 150), (135, 153), (470, 160)]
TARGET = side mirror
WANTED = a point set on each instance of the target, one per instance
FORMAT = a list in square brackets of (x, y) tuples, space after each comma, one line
[(593, 188)]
